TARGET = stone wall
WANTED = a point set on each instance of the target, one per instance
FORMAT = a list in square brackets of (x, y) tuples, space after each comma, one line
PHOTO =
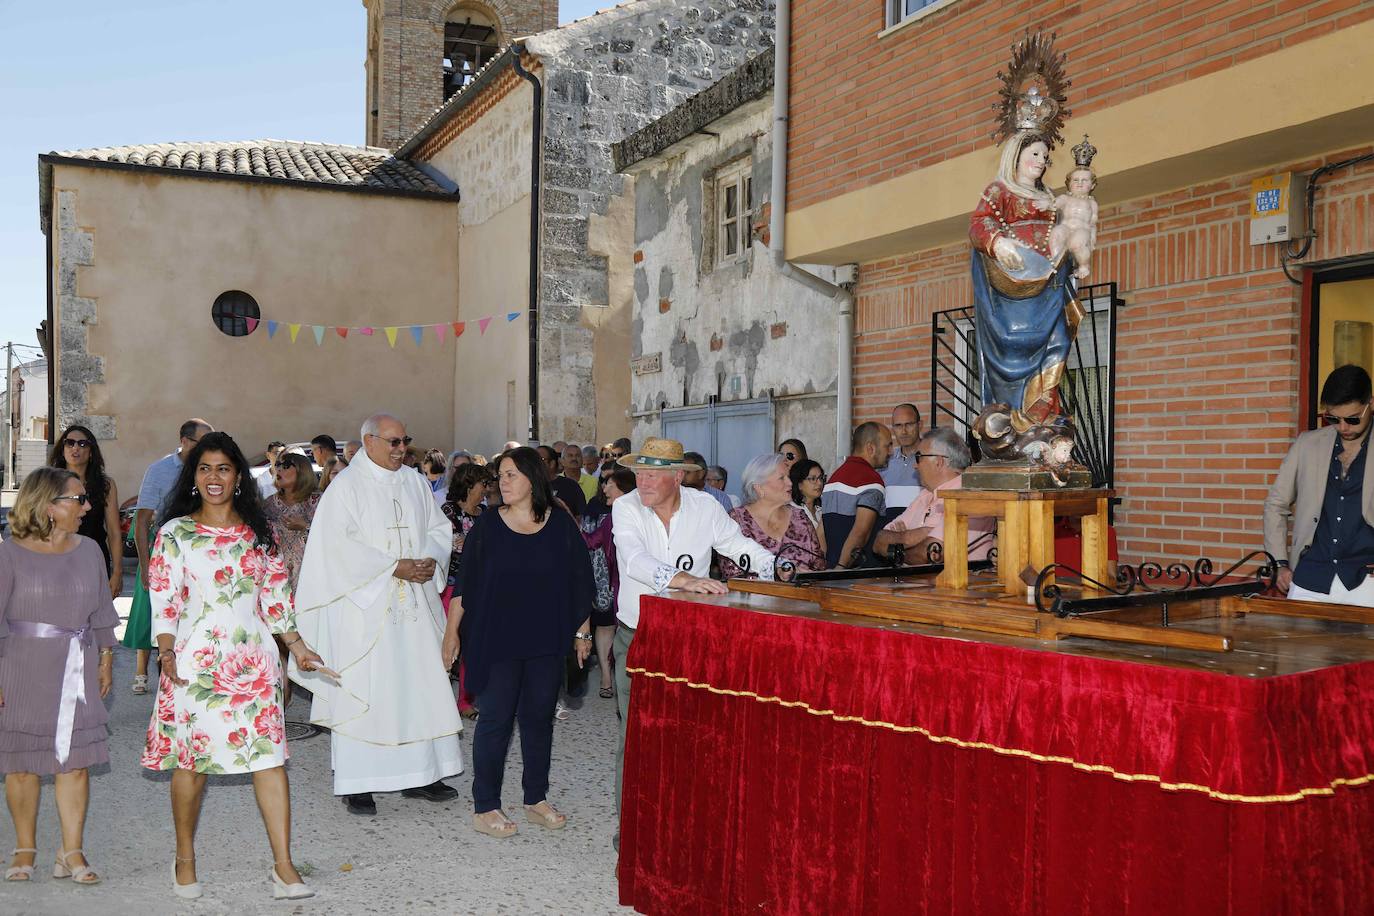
[(735, 330), (77, 368), (605, 77)]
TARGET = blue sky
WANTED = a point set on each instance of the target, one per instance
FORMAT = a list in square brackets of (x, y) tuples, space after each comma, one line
[(82, 73)]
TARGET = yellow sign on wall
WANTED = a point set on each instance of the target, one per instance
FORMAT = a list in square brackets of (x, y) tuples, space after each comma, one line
[(1274, 208)]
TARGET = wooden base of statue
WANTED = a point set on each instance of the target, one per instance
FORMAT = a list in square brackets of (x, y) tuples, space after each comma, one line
[(1024, 476), (1025, 532)]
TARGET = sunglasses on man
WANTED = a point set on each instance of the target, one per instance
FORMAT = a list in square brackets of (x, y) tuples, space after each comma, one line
[(393, 442), (1332, 420)]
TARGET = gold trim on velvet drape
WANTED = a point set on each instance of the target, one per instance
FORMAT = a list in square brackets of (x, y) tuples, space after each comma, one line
[(1298, 795)]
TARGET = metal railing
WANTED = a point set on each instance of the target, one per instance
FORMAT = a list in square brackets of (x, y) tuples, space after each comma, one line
[(1088, 388)]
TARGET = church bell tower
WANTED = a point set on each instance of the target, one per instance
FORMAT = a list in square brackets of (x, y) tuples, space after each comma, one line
[(420, 52)]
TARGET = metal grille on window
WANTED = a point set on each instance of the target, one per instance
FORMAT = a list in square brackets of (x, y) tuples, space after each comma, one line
[(235, 313), (1088, 388)]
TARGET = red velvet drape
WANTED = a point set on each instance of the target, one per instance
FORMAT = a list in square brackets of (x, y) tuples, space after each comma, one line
[(787, 765)]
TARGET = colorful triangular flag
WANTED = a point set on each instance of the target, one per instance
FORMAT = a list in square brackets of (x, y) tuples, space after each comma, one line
[(271, 329), (294, 329), (252, 324), (418, 332), (318, 331), (342, 332), (366, 332), (458, 328), (511, 316), (391, 335), (439, 331), (482, 324)]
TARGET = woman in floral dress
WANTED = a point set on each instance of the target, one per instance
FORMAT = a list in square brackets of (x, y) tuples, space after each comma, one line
[(219, 594), (290, 510), (769, 517)]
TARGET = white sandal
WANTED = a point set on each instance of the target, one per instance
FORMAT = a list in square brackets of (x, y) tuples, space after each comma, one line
[(80, 874), (140, 684), (20, 872)]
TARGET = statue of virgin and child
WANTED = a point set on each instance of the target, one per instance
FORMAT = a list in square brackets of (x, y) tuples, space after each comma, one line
[(1030, 248)]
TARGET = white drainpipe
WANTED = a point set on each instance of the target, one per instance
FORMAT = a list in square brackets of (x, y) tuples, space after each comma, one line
[(844, 298)]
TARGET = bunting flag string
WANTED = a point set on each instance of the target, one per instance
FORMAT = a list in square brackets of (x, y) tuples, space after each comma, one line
[(442, 331)]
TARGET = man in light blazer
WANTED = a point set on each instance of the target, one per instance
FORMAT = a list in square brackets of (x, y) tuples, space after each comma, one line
[(1326, 485)]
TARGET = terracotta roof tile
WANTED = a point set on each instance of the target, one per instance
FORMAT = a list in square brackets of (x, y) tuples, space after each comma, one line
[(320, 163)]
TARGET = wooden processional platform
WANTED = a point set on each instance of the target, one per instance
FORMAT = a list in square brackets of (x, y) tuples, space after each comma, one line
[(1024, 594)]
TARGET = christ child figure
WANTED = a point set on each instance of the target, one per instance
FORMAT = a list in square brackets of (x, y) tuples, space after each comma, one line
[(1076, 227)]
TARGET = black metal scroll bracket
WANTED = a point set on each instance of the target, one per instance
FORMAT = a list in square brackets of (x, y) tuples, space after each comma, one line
[(1140, 586)]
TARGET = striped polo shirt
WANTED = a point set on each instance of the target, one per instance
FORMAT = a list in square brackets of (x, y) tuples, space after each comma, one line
[(854, 485)]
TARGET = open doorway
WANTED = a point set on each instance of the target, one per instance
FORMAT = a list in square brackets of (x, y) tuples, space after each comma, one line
[(1340, 329)]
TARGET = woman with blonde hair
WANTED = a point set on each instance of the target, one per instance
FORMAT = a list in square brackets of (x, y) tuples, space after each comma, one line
[(57, 625)]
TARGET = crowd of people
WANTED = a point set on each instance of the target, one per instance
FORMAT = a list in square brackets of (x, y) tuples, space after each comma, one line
[(405, 589)]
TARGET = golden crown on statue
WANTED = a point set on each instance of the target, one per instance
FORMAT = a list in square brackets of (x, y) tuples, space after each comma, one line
[(1033, 90)]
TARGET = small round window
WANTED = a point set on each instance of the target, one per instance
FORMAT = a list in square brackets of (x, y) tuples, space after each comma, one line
[(235, 313)]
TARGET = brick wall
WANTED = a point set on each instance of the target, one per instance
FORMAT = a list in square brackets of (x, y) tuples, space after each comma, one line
[(1207, 363), (409, 60), (864, 110)]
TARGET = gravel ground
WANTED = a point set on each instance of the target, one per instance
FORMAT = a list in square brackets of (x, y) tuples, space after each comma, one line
[(413, 857)]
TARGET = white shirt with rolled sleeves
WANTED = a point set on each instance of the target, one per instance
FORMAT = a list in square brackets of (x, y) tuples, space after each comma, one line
[(647, 553)]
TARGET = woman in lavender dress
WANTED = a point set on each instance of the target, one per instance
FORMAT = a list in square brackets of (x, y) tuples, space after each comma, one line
[(55, 616), (769, 517)]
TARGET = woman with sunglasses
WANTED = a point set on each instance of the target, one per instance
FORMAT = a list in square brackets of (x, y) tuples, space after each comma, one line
[(77, 450), (808, 480), (791, 451), (57, 625), (291, 508), (289, 511)]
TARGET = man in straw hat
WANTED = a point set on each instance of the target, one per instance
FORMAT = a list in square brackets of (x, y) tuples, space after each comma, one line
[(664, 534)]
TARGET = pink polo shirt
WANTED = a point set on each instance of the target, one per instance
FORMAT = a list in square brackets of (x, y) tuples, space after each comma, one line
[(927, 510)]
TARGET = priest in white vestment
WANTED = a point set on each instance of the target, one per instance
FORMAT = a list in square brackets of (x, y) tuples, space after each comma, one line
[(368, 600)]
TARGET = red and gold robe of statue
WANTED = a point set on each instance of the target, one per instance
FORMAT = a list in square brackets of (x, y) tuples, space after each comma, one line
[(1001, 213)]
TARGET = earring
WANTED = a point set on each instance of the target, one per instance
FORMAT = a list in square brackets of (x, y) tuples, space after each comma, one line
[(195, 491), (236, 491)]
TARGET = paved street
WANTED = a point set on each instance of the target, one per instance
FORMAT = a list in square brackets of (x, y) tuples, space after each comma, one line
[(413, 857)]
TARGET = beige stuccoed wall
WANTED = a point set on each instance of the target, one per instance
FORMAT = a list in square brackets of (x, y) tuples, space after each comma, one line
[(490, 161), (164, 246), (492, 378)]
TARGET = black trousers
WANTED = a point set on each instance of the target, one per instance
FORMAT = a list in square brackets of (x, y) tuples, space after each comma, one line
[(524, 690)]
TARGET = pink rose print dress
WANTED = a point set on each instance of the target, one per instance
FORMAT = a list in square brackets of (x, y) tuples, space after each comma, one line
[(222, 597)]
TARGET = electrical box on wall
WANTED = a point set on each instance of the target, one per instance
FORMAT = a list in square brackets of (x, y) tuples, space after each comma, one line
[(1276, 208)]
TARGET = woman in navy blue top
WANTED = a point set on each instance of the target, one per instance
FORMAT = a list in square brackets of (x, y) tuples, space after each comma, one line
[(522, 607)]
